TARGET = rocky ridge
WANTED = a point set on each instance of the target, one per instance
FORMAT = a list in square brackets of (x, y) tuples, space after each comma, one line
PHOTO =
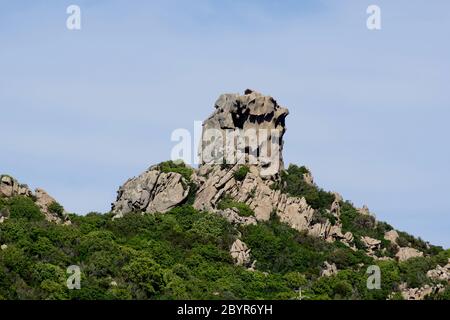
[(157, 191), (10, 187)]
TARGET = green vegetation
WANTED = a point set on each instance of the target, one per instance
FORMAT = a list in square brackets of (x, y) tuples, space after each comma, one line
[(228, 203), (293, 183), (178, 167), (241, 173), (184, 253), (56, 208)]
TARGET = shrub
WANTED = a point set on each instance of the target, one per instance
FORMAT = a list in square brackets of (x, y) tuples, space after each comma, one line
[(241, 173), (56, 208), (243, 209), (292, 183), (23, 207), (177, 167)]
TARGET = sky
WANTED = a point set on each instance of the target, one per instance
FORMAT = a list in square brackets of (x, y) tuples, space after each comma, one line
[(81, 111)]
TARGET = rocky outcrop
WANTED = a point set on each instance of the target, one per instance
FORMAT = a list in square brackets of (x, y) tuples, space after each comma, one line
[(328, 270), (256, 186), (240, 253), (364, 211), (233, 217), (392, 236), (440, 273), (10, 187), (152, 191), (371, 244), (406, 253), (419, 293), (247, 128)]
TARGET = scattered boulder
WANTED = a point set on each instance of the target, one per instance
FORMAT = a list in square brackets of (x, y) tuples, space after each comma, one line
[(3, 247), (364, 211), (45, 202), (419, 293), (392, 236), (233, 217), (406, 253), (240, 253), (371, 244), (440, 273), (328, 270), (308, 178)]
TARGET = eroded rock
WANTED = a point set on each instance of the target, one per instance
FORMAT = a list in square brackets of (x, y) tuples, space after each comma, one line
[(152, 191), (406, 253), (240, 253)]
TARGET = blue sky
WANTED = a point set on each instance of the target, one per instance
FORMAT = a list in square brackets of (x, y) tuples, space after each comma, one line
[(82, 111)]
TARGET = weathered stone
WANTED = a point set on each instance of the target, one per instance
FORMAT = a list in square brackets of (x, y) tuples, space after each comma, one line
[(10, 187), (420, 293), (43, 201), (406, 253), (152, 191), (3, 247), (252, 117), (233, 217), (364, 210), (240, 253), (392, 236), (440, 273), (328, 270)]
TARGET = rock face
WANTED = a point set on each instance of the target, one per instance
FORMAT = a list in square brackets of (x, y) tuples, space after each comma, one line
[(156, 191), (440, 273), (406, 253), (240, 253), (10, 187), (420, 293), (392, 236), (152, 191), (328, 269), (247, 128)]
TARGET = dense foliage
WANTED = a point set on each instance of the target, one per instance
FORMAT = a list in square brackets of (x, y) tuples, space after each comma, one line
[(184, 253)]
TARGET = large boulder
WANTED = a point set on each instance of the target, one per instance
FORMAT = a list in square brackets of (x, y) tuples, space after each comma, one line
[(240, 253), (247, 129), (10, 187), (152, 191), (406, 253)]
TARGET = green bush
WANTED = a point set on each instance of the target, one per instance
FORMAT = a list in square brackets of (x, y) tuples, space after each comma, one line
[(177, 167), (241, 173), (292, 183), (23, 207), (243, 209), (56, 208)]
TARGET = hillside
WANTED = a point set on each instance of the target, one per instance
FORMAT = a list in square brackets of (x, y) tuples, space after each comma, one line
[(243, 229)]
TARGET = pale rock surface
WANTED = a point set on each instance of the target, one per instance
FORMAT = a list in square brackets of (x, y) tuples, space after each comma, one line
[(43, 201), (364, 210), (406, 253), (392, 236), (328, 270), (10, 187), (152, 191), (249, 112), (440, 273), (4, 247), (419, 293), (240, 253)]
